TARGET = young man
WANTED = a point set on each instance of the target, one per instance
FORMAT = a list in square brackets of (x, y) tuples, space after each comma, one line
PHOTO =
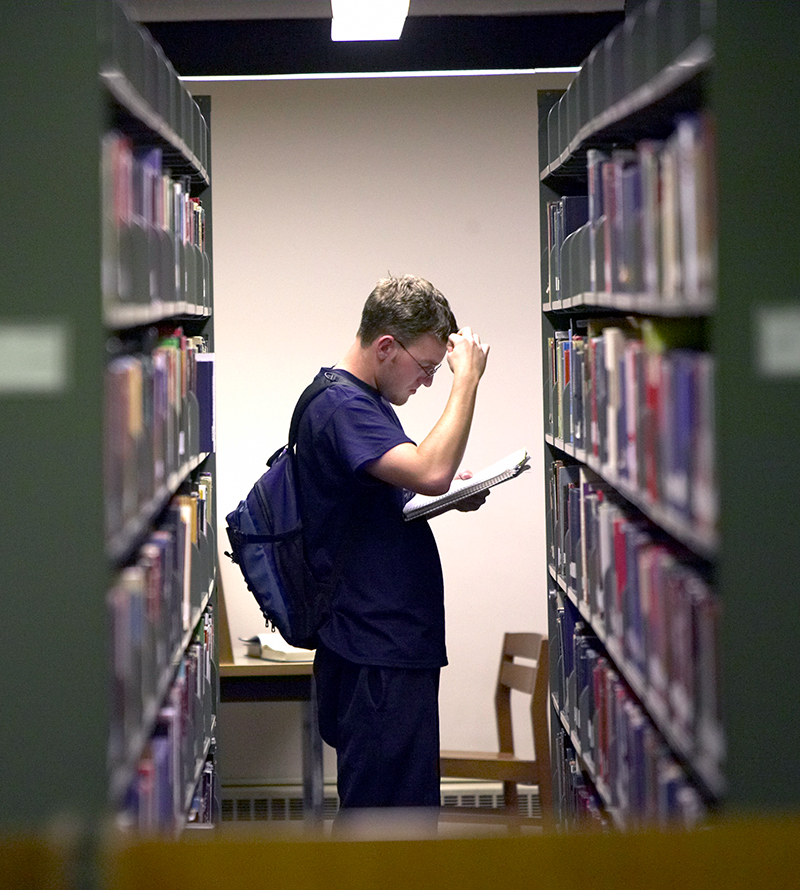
[(377, 667)]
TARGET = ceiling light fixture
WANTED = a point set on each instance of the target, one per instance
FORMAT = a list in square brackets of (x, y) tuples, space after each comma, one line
[(368, 19)]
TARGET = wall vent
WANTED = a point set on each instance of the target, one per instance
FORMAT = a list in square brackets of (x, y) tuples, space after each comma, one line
[(284, 803), (492, 798)]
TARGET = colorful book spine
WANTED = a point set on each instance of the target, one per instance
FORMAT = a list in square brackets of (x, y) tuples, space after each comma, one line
[(650, 218), (643, 416), (154, 231), (152, 426), (612, 738), (648, 601)]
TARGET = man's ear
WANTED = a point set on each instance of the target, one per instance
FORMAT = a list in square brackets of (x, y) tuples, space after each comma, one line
[(384, 347)]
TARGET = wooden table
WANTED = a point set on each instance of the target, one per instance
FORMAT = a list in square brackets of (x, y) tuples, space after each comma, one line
[(245, 679)]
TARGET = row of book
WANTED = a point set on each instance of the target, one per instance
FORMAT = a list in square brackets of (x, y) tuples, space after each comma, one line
[(644, 235), (650, 602), (154, 231), (659, 46), (174, 778), (153, 604), (159, 415), (204, 810), (639, 412), (145, 84), (577, 804), (635, 772)]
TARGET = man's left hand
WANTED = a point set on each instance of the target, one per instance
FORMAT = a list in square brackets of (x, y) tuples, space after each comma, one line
[(474, 501)]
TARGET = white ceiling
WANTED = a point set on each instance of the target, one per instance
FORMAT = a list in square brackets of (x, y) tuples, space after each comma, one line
[(227, 10)]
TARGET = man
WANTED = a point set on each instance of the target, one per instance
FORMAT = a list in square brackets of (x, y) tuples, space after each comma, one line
[(377, 666)]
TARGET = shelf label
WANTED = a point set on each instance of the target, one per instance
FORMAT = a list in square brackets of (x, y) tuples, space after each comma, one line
[(777, 333), (33, 358)]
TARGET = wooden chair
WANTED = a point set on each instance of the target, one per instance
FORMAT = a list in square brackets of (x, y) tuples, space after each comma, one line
[(503, 765)]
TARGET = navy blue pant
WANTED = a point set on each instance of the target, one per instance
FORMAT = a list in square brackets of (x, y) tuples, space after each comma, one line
[(384, 725)]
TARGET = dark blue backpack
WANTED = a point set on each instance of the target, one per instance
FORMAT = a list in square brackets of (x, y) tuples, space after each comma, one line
[(266, 535)]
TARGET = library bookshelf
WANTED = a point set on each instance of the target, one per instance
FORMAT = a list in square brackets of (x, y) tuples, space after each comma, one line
[(656, 351), (109, 560)]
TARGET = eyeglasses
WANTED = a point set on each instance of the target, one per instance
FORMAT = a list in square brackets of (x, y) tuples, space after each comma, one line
[(428, 372)]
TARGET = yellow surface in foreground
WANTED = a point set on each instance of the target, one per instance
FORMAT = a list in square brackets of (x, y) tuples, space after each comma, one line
[(738, 854), (745, 853)]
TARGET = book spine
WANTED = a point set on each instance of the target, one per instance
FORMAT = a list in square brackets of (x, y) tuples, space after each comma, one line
[(594, 160)]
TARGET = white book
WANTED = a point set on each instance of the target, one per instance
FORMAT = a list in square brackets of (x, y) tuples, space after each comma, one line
[(614, 339)]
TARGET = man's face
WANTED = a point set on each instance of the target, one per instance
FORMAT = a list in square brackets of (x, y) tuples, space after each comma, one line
[(410, 366)]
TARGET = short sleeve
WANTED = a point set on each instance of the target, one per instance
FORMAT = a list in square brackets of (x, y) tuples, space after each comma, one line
[(360, 430)]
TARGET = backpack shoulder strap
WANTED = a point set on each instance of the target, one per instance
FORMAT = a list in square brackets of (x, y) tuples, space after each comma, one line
[(317, 385)]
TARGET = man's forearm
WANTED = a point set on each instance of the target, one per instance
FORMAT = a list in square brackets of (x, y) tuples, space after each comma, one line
[(430, 467), (442, 450)]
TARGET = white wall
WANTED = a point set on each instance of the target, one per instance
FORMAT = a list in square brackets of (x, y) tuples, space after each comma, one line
[(320, 188)]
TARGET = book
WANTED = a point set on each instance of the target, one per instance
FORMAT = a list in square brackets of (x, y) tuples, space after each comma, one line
[(649, 160), (662, 568), (567, 476), (561, 345), (574, 214), (206, 402), (630, 436), (564, 391), (710, 734), (572, 544), (625, 221), (593, 491), (553, 243), (607, 513), (650, 425), (555, 621), (682, 426), (638, 540), (550, 383), (688, 148), (613, 348), (683, 589), (594, 161), (596, 393), (564, 217), (670, 224), (703, 485), (577, 390), (508, 468), (272, 647)]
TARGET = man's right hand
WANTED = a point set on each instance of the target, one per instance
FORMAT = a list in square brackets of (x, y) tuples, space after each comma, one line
[(466, 354)]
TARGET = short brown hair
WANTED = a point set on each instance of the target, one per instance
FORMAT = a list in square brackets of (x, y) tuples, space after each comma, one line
[(407, 307)]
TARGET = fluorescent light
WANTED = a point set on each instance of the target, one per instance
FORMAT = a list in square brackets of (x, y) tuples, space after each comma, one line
[(363, 75), (368, 19)]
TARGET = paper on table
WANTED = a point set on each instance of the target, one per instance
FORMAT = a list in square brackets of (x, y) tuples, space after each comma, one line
[(507, 468)]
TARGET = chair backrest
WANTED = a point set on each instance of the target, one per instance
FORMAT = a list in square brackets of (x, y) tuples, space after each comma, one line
[(530, 677), (523, 667)]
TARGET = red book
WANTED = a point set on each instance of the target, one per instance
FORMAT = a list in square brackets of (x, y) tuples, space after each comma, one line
[(651, 422), (621, 572)]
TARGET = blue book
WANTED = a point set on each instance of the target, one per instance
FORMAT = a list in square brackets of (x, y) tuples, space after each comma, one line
[(206, 402)]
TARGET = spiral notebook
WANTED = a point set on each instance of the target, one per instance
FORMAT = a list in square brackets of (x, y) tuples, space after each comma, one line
[(508, 468)]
